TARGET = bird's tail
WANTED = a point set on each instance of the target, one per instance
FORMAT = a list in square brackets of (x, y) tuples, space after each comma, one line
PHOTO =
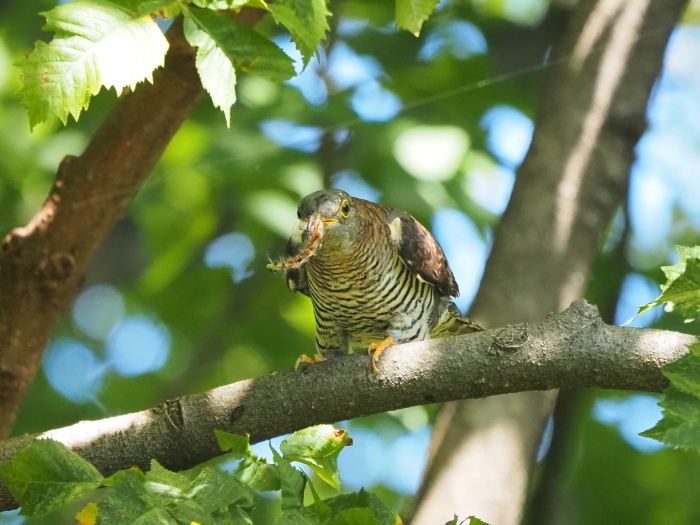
[(452, 322)]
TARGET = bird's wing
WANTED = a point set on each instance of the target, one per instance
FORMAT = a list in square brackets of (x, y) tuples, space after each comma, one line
[(296, 277), (421, 253)]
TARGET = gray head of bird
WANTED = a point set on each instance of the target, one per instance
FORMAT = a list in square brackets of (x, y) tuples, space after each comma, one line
[(336, 210)]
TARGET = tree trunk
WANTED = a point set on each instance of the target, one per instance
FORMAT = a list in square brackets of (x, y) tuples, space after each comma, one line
[(591, 116)]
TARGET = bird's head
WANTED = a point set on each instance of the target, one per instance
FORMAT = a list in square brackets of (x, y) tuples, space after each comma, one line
[(335, 208)]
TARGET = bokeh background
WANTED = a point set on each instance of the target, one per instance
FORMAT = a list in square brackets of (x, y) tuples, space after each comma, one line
[(178, 301)]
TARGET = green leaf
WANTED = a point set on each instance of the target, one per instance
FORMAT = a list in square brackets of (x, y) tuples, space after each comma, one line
[(220, 5), (247, 49), (162, 8), (238, 446), (97, 43), (292, 483), (382, 513), (680, 424), (410, 14), (317, 447), (355, 516), (453, 521), (476, 521), (306, 20), (681, 293), (297, 517), (46, 475), (215, 490), (215, 69), (258, 475), (127, 502)]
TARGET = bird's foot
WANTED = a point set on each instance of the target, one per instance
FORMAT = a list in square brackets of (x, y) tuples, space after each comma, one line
[(375, 349), (306, 359)]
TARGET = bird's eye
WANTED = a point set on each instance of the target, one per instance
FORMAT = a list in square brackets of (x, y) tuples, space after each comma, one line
[(345, 208)]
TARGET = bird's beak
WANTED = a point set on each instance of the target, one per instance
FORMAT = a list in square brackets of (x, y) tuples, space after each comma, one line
[(329, 221)]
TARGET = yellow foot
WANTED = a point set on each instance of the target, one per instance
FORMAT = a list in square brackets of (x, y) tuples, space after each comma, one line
[(375, 349), (306, 359)]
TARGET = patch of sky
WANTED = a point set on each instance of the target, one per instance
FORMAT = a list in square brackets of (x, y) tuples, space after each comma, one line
[(651, 201), (96, 310), (459, 38), (509, 133), (465, 250), (74, 371), (632, 415), (637, 290), (665, 174), (137, 345), (546, 440), (12, 517), (407, 457), (234, 250), (431, 153), (349, 70), (292, 136), (353, 183), (374, 103), (365, 462), (349, 27), (487, 182)]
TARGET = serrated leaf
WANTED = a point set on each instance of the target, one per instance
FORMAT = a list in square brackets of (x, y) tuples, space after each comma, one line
[(318, 447), (356, 516), (87, 516), (297, 517), (247, 49), (238, 446), (214, 490), (97, 43), (127, 502), (681, 293), (46, 475), (215, 69), (306, 20), (476, 521), (680, 424), (292, 483), (410, 14)]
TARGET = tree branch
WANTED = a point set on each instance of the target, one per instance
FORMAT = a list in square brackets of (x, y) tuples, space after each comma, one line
[(571, 349), (43, 262)]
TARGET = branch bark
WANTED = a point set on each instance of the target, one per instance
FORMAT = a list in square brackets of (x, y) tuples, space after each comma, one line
[(42, 263), (571, 349), (572, 180)]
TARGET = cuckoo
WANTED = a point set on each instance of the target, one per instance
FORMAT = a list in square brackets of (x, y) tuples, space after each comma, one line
[(376, 277)]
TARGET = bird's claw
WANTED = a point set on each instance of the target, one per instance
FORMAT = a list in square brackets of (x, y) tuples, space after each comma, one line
[(375, 350), (306, 359)]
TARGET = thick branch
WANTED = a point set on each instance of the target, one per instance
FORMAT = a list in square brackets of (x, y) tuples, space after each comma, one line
[(571, 349)]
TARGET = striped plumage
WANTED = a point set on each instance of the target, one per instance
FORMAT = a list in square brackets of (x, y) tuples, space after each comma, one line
[(377, 273)]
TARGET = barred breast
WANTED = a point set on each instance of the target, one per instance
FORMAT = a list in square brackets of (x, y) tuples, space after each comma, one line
[(366, 295)]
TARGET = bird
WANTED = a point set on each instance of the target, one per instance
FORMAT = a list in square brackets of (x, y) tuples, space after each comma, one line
[(375, 275)]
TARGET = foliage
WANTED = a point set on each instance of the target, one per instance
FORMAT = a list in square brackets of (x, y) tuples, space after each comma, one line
[(47, 475), (681, 293), (116, 43)]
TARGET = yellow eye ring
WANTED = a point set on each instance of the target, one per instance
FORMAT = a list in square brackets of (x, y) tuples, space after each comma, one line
[(345, 209)]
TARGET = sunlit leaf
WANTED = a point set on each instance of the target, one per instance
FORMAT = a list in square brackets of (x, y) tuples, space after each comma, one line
[(317, 447), (681, 293), (680, 424), (410, 14), (258, 475), (247, 49), (46, 475), (306, 20), (162, 8), (87, 516), (97, 43), (238, 446), (381, 513), (215, 69)]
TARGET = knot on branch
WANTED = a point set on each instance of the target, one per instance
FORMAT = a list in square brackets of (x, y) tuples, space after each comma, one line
[(55, 268), (510, 337)]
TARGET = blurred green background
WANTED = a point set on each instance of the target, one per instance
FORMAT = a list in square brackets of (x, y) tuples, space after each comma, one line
[(178, 301)]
